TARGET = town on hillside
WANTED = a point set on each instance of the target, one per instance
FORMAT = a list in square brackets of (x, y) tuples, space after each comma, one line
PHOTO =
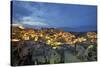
[(31, 46)]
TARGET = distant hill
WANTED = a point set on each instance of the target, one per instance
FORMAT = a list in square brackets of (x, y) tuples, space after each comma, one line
[(67, 29), (79, 29), (35, 26)]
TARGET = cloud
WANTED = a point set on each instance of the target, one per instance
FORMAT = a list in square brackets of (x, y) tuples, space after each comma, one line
[(32, 21)]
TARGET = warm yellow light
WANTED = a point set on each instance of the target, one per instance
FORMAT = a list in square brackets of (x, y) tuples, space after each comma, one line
[(36, 39), (21, 27), (15, 40)]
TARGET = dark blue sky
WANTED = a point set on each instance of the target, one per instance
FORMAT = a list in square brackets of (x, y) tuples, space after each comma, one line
[(54, 15)]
